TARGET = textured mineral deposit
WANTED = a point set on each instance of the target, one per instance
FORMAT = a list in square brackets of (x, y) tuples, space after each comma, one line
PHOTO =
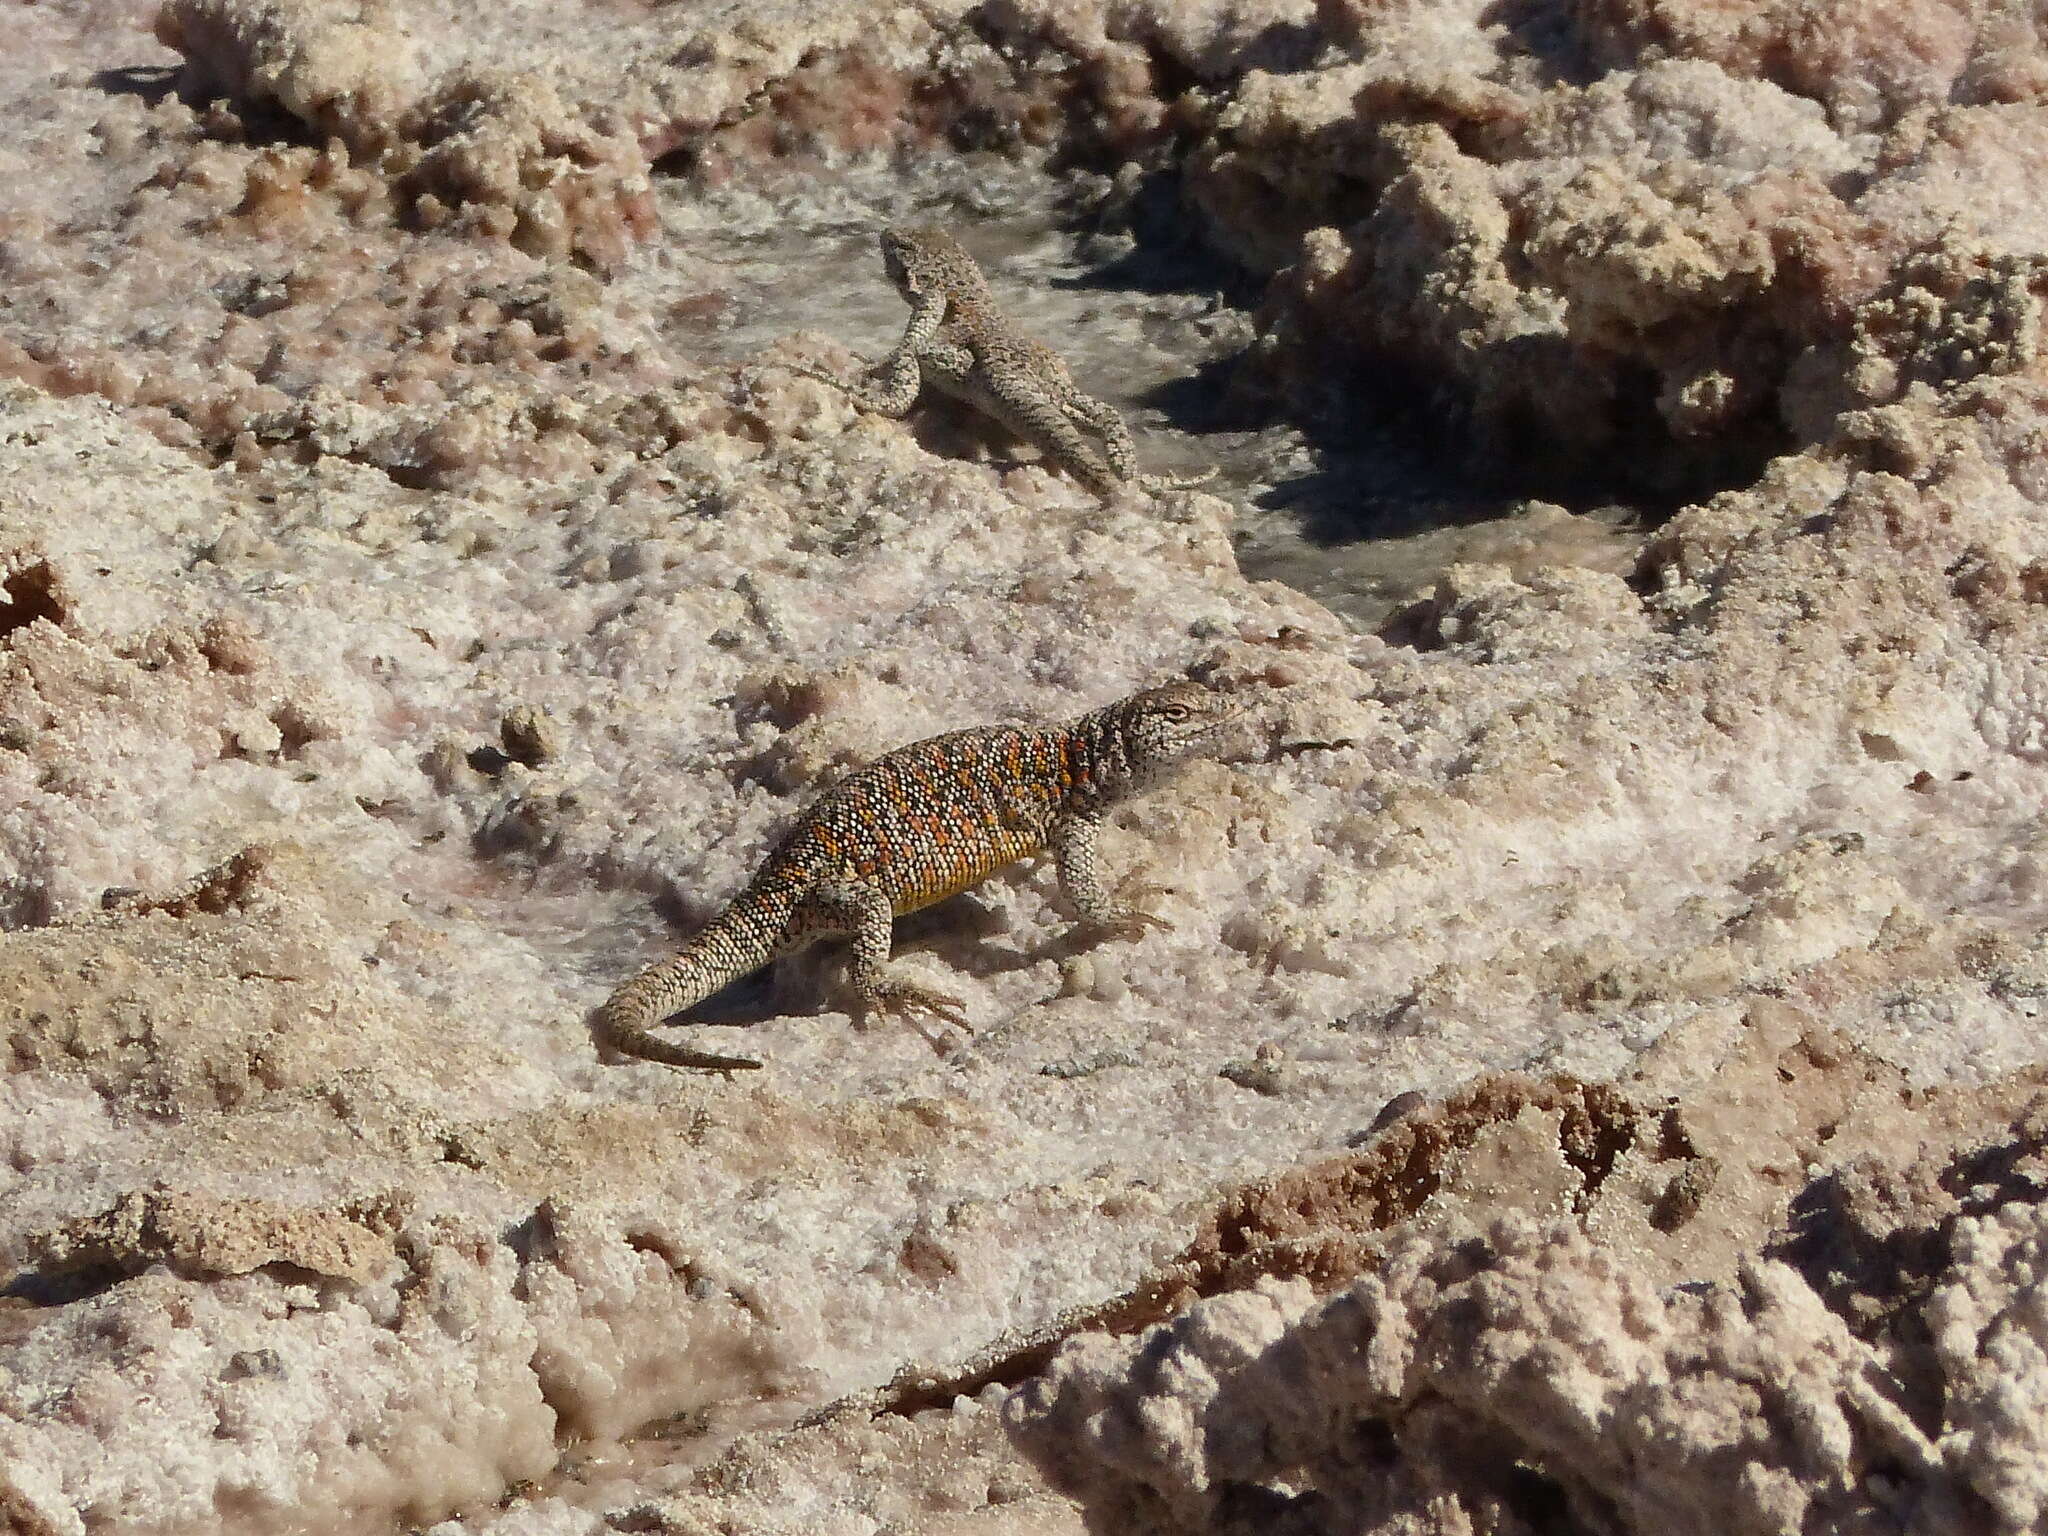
[(1594, 1079)]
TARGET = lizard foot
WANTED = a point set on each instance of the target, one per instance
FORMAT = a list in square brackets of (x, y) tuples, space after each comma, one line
[(1158, 483), (892, 400), (1128, 919), (911, 1001), (806, 371)]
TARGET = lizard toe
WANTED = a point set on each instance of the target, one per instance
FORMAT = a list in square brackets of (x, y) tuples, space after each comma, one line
[(1134, 923)]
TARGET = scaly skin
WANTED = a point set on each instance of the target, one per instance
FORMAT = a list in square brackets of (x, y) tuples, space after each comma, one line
[(958, 342), (913, 828)]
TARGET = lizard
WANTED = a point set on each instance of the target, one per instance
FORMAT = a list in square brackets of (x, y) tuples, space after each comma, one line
[(958, 342), (918, 825)]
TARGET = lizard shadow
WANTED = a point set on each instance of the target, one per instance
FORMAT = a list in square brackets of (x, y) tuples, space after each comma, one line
[(962, 932), (951, 429), (984, 946), (975, 940)]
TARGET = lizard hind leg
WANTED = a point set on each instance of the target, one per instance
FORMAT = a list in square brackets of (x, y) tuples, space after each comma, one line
[(1107, 423), (866, 912), (1024, 404)]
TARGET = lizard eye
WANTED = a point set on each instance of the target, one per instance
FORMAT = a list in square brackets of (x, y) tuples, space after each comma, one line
[(1174, 713)]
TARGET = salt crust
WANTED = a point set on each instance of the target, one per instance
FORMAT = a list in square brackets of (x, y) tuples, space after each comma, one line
[(450, 482), (1868, 1369), (1420, 1398), (1655, 237)]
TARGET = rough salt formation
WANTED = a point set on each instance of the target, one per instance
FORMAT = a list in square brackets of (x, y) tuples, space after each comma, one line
[(1644, 245), (1466, 1386), (213, 1238), (492, 152), (346, 71), (406, 626), (1869, 1369)]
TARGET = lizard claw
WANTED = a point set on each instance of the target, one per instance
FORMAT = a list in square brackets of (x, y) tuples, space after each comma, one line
[(940, 1005), (1133, 923), (1129, 919), (912, 1001)]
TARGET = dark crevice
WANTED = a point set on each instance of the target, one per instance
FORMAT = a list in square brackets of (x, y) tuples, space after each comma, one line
[(149, 82), (1396, 446), (29, 594), (59, 1288), (1416, 416), (1546, 32), (1543, 1505), (679, 163)]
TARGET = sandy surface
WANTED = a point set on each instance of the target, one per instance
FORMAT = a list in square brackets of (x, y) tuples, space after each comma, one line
[(1593, 1082)]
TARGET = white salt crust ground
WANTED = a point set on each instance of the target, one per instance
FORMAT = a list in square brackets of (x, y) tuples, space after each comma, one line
[(385, 558)]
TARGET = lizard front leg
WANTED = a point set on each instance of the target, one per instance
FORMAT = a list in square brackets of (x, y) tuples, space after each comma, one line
[(1077, 861), (900, 373), (893, 392)]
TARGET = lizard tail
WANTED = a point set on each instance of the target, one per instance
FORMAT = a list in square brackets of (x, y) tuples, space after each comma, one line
[(715, 958)]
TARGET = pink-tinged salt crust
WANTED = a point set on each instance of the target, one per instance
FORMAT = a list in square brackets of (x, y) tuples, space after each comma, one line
[(1594, 1080)]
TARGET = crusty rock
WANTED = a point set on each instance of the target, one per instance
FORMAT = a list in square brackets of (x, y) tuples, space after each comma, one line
[(1678, 889), (1467, 1382), (346, 68), (199, 1236)]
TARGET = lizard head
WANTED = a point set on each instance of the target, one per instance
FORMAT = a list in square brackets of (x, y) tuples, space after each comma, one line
[(928, 261), (1164, 725)]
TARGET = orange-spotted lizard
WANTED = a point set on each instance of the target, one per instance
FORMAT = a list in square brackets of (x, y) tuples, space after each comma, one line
[(916, 826)]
